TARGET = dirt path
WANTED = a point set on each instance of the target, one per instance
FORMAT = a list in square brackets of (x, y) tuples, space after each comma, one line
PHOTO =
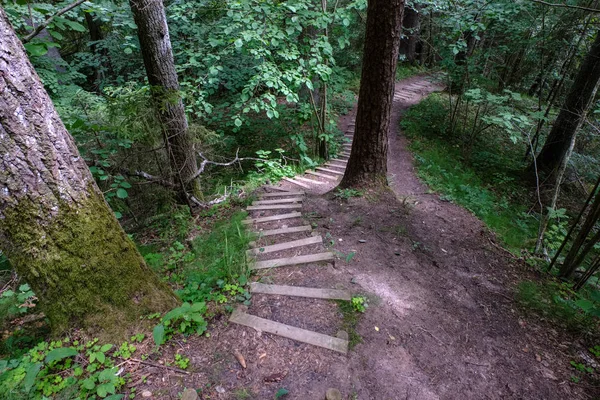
[(441, 322)]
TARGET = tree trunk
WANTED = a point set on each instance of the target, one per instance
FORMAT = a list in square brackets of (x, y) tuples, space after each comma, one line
[(155, 43), (368, 157), (55, 227), (410, 34), (558, 144)]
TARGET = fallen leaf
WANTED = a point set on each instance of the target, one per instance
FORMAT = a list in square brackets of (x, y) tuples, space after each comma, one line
[(276, 377), (240, 358)]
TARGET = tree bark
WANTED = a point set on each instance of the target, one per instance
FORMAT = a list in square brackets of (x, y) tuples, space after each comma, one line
[(368, 157), (155, 43), (410, 34), (558, 145), (55, 227)]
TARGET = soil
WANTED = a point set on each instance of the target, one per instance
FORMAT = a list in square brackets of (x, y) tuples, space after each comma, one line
[(442, 322)]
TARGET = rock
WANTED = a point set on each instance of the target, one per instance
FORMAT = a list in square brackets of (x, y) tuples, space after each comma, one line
[(362, 241), (220, 389), (189, 394), (333, 394), (146, 394)]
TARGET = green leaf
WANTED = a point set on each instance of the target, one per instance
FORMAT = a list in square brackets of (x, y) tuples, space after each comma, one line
[(89, 383), (280, 393), (238, 122), (239, 43), (158, 334), (60, 353), (115, 397), (32, 373), (128, 50), (106, 348), (118, 215), (76, 26), (122, 193), (36, 49), (100, 357)]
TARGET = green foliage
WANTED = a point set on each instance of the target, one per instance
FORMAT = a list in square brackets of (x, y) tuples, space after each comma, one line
[(273, 168), (181, 361), (486, 183), (350, 319), (13, 303), (345, 194), (360, 303), (281, 393), (185, 319)]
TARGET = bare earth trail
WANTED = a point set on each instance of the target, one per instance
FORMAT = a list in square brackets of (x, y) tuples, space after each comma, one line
[(442, 321)]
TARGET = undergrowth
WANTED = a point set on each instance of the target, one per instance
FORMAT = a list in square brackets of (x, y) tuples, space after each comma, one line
[(480, 181)]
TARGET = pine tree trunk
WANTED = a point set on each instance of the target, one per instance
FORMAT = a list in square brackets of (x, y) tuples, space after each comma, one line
[(558, 144), (55, 227), (410, 34), (155, 43), (368, 157)]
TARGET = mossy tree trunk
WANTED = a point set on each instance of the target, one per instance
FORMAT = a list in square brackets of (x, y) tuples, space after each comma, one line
[(368, 158), (55, 227), (155, 43)]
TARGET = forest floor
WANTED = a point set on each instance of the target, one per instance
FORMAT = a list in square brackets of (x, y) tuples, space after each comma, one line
[(442, 321)]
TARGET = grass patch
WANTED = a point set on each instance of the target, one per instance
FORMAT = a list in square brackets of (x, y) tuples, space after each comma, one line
[(350, 318), (482, 182), (406, 71)]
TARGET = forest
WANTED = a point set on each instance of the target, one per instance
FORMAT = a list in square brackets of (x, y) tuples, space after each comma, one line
[(299, 199)]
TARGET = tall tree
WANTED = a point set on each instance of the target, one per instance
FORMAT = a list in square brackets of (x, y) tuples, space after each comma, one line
[(410, 33), (561, 139), (368, 158), (55, 227), (155, 43)]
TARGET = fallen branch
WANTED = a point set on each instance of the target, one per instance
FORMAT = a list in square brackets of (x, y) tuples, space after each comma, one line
[(149, 178), (206, 162), (561, 5), (157, 365), (49, 20)]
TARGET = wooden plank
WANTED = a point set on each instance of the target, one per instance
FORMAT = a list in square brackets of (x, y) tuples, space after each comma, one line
[(338, 160), (274, 207), (321, 175), (277, 188), (303, 179), (281, 231), (271, 218), (296, 193), (285, 246), (298, 291), (297, 260), (335, 165), (290, 332), (304, 185), (331, 171), (277, 201)]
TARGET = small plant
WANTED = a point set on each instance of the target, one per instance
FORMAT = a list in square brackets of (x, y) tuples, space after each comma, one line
[(345, 194), (186, 319), (595, 351), (582, 367), (182, 361), (359, 303)]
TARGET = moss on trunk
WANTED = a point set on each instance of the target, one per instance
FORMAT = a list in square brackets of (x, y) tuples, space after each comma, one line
[(86, 271)]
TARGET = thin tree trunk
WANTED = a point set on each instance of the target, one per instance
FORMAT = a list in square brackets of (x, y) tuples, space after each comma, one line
[(55, 227), (572, 115), (410, 34), (155, 43), (368, 158)]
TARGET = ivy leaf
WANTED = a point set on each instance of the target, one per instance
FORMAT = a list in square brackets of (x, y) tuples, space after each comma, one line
[(60, 353), (122, 193)]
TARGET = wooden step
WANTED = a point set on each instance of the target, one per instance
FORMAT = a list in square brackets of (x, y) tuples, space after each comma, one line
[(271, 218), (274, 207), (295, 182), (298, 291), (277, 188), (303, 179), (320, 174), (338, 161), (297, 193), (281, 231), (297, 260), (290, 332), (278, 201), (331, 171), (335, 165), (285, 246)]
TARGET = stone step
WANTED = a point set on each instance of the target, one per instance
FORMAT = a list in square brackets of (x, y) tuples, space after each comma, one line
[(297, 260), (285, 246), (303, 179), (296, 193), (282, 231), (321, 175), (331, 171), (295, 182), (299, 291), (288, 331), (271, 218), (274, 207), (277, 201)]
